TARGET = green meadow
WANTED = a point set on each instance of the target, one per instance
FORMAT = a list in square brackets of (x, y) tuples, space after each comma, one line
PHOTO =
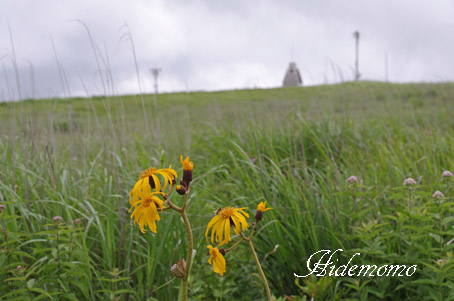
[(295, 148)]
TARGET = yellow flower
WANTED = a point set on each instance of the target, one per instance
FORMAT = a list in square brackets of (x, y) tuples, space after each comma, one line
[(149, 179), (217, 260), (188, 166), (146, 210), (221, 223), (261, 208)]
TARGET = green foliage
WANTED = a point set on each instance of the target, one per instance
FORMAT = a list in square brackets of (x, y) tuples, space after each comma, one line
[(294, 148)]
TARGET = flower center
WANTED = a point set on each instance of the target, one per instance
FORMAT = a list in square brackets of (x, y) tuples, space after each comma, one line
[(147, 173), (213, 253), (226, 212), (147, 202)]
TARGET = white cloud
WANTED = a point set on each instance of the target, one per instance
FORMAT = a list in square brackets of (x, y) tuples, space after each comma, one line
[(209, 45)]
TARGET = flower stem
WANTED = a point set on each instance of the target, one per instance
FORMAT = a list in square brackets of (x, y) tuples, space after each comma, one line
[(257, 262), (187, 226), (58, 259), (234, 245), (440, 216)]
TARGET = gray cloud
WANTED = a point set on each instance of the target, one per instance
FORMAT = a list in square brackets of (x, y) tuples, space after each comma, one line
[(210, 45)]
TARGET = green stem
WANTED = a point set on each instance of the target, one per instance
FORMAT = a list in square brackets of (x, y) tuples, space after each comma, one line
[(234, 245), (58, 259), (259, 267), (187, 225), (440, 215), (410, 199), (7, 250)]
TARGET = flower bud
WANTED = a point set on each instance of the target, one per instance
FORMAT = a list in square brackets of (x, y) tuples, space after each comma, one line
[(261, 208), (180, 189), (188, 166), (258, 215), (2, 207), (178, 268)]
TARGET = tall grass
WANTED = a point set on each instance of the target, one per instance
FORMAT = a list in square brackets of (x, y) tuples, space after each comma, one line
[(295, 148)]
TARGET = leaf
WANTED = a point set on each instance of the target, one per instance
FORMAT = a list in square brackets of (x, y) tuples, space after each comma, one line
[(41, 291), (436, 237), (31, 283)]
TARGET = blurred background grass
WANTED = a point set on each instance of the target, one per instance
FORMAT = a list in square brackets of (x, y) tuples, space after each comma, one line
[(294, 147)]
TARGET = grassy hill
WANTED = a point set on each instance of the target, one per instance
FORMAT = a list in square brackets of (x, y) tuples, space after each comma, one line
[(294, 147)]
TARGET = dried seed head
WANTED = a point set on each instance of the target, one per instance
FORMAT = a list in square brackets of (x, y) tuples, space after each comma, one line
[(409, 181), (352, 179), (447, 173), (438, 194), (222, 251), (178, 268)]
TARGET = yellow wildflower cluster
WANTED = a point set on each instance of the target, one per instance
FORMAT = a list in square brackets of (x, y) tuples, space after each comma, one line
[(220, 226), (148, 196)]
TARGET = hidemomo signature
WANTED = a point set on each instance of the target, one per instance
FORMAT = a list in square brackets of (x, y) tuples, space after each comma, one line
[(325, 266)]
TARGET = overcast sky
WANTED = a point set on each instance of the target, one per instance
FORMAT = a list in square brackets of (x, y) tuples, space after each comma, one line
[(217, 45)]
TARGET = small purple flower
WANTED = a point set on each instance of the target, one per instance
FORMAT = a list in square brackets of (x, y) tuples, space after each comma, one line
[(409, 181), (19, 267), (2, 207), (438, 194), (57, 218), (77, 221), (446, 174), (352, 179)]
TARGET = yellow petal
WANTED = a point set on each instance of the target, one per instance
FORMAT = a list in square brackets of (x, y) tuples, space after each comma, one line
[(157, 183), (211, 223), (242, 220), (237, 224), (220, 230), (227, 231), (242, 211), (219, 264)]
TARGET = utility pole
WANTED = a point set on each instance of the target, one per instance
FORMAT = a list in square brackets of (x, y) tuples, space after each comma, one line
[(386, 66), (356, 36), (155, 72)]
